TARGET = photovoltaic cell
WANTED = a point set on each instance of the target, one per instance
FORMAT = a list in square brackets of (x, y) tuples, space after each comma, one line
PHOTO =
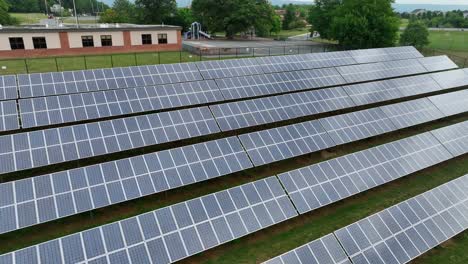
[(304, 61), (412, 112), (357, 125), (323, 250), (8, 87), (69, 192), (451, 79), (454, 138), (257, 85), (407, 230), (281, 143), (385, 54), (327, 182), (8, 116), (260, 111), (380, 70), (451, 103), (228, 68), (60, 109), (44, 84), (415, 85), (175, 232), (437, 63), (51, 146)]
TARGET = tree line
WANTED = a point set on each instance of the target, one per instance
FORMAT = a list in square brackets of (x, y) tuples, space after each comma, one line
[(38, 6), (438, 19)]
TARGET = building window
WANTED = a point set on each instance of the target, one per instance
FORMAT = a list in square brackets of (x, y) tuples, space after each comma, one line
[(87, 41), (146, 39), (106, 40), (16, 43), (39, 43), (162, 38)]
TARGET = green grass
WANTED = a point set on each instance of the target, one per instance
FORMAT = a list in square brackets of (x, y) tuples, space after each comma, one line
[(404, 22), (453, 41), (28, 18)]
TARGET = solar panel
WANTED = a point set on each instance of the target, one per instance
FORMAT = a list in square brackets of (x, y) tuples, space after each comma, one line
[(451, 103), (407, 230), (55, 83), (357, 125), (8, 87), (412, 113), (8, 116), (454, 138), (327, 182), (385, 54), (437, 63), (53, 196), (380, 70), (60, 109), (172, 233), (373, 92), (228, 68), (281, 143), (265, 110), (323, 250), (257, 85), (304, 61), (51, 146), (451, 79)]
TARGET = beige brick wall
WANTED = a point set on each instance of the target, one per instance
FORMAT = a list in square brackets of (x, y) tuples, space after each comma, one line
[(135, 36), (74, 38), (52, 40)]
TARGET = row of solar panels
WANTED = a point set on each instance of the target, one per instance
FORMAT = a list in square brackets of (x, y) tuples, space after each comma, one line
[(397, 234), (52, 146), (44, 198), (175, 232), (36, 112), (53, 83)]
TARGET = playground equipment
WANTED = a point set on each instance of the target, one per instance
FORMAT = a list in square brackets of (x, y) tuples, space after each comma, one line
[(195, 32)]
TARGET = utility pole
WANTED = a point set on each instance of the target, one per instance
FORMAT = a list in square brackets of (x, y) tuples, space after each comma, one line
[(76, 16), (46, 9)]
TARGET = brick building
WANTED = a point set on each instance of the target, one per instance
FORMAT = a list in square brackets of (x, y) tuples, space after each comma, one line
[(37, 41)]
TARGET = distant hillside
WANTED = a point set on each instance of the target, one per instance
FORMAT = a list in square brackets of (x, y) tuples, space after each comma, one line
[(183, 3)]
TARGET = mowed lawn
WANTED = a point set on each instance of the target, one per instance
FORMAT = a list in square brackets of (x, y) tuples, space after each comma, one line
[(455, 42)]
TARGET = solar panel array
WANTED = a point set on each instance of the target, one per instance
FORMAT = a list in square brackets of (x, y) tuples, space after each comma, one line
[(8, 116), (451, 78), (397, 234), (327, 182), (8, 87), (405, 231), (451, 103), (373, 92), (231, 116), (45, 84), (454, 138), (51, 146), (281, 143), (48, 197), (228, 68), (51, 110), (171, 233), (385, 54), (437, 63), (326, 249)]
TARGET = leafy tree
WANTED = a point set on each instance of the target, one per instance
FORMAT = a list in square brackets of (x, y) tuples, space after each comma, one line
[(125, 11), (276, 25), (234, 16), (321, 15), (24, 6), (183, 18), (289, 16), (109, 16), (415, 34), (155, 11), (5, 18)]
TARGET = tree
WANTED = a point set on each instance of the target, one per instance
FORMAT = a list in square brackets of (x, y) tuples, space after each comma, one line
[(125, 11), (289, 16), (5, 18), (155, 11), (415, 34), (234, 16), (183, 18), (321, 16), (276, 25), (24, 6), (109, 16)]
